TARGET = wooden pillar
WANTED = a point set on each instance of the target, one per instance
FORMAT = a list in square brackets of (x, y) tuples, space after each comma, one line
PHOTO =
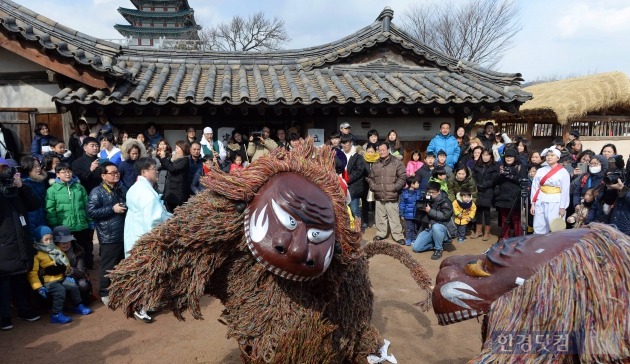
[(530, 130), (566, 128)]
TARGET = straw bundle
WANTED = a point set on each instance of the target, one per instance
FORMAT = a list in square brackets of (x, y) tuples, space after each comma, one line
[(203, 249), (560, 101), (580, 297)]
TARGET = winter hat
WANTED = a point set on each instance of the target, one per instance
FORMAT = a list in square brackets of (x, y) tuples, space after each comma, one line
[(207, 130), (510, 152), (40, 232), (441, 152), (575, 133), (604, 162)]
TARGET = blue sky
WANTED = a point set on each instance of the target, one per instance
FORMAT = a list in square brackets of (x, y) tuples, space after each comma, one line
[(559, 38)]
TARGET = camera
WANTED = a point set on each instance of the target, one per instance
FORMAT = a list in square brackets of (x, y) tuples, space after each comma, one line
[(256, 134), (525, 186), (424, 201), (613, 178), (7, 188)]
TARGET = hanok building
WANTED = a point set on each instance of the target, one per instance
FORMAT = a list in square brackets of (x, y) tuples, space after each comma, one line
[(597, 106), (154, 22), (377, 78)]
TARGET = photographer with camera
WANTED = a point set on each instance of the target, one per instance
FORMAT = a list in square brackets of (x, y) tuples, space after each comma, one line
[(620, 214), (437, 215), (106, 207), (260, 144), (16, 246)]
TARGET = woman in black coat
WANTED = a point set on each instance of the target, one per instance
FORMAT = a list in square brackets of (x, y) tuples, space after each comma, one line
[(508, 199), (486, 174), (177, 188)]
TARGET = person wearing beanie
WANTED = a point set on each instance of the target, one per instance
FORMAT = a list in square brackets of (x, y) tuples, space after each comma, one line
[(550, 192), (50, 266)]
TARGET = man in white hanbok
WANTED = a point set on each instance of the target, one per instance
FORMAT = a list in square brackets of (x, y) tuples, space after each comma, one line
[(550, 192), (145, 210)]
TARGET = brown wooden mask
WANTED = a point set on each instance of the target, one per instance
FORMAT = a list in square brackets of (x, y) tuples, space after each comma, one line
[(290, 227), (467, 285)]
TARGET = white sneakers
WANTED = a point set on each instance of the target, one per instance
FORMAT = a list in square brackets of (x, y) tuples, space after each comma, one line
[(142, 315)]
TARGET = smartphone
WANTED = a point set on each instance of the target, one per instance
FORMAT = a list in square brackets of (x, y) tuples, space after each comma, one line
[(583, 167), (102, 160)]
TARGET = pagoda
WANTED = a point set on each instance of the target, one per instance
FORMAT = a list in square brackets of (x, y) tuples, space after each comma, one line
[(154, 21)]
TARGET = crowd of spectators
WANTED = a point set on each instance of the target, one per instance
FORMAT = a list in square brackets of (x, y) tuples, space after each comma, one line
[(121, 185)]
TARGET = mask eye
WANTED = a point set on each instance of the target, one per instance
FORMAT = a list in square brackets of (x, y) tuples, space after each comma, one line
[(285, 219), (318, 236)]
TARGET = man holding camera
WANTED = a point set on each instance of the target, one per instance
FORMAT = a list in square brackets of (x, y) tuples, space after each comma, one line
[(16, 245), (106, 207), (260, 144), (437, 216)]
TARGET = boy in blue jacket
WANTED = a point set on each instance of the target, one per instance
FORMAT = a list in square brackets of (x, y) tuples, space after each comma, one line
[(407, 208)]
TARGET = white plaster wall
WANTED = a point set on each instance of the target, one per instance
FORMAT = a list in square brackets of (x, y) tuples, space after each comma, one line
[(408, 129), (25, 95), (11, 62)]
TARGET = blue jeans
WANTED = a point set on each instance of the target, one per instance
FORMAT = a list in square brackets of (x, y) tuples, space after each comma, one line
[(431, 239), (355, 208), (461, 231)]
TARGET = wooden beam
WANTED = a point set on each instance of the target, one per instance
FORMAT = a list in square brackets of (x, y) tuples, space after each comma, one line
[(29, 51)]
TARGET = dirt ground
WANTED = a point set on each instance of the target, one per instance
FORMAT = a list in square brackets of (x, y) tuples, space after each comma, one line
[(108, 337)]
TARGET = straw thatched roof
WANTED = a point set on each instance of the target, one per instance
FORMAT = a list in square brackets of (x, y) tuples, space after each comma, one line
[(560, 101)]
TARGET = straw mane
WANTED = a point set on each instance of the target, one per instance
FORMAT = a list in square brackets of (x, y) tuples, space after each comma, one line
[(561, 101), (203, 250), (585, 291)]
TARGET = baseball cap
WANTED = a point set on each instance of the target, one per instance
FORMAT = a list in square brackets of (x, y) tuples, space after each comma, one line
[(62, 234)]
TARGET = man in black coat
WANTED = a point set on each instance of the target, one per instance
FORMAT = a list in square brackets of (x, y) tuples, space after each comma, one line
[(86, 167), (8, 146), (106, 207), (487, 136), (16, 246)]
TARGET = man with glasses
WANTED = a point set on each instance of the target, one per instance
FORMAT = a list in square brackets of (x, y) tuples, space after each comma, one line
[(106, 207), (66, 202), (260, 144), (86, 167), (144, 211), (437, 217)]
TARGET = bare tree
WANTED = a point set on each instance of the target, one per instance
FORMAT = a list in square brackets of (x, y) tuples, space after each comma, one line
[(256, 33), (480, 31)]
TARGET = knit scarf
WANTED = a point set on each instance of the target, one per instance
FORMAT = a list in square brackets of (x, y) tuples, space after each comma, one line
[(57, 255), (370, 157)]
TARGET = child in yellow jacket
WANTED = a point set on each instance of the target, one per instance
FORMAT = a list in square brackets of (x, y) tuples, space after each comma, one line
[(464, 210), (48, 276)]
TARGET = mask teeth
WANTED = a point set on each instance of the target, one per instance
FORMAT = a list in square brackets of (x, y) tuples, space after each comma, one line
[(270, 268), (457, 316)]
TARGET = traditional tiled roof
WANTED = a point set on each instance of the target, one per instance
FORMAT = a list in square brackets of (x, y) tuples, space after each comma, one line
[(138, 14), (56, 37), (128, 29), (379, 64)]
